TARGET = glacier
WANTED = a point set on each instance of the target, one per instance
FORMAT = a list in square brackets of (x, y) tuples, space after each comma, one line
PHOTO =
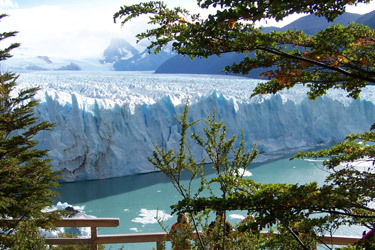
[(107, 123)]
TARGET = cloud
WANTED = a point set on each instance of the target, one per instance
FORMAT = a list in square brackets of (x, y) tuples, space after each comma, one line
[(8, 4), (73, 30), (361, 8), (63, 32)]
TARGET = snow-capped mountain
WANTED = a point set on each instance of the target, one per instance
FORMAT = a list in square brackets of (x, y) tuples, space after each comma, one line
[(118, 50), (124, 57), (144, 61)]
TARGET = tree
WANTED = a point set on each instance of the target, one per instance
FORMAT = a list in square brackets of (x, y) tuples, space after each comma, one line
[(219, 149), (26, 177), (268, 204), (337, 57)]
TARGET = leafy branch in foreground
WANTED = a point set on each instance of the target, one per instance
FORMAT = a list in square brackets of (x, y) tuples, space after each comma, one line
[(219, 149), (302, 214), (173, 165), (337, 57)]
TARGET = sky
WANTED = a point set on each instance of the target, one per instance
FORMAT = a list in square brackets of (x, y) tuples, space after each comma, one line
[(79, 29)]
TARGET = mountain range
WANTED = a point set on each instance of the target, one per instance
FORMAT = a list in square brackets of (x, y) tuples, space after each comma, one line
[(214, 65), (119, 56)]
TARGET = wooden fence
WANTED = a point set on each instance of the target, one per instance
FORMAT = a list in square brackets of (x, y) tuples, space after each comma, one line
[(158, 238)]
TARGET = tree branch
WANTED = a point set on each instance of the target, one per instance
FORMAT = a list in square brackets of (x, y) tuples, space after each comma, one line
[(323, 65), (297, 238)]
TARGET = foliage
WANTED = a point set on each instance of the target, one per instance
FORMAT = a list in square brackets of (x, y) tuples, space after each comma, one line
[(219, 149), (74, 247), (301, 214), (26, 177), (337, 57), (292, 208)]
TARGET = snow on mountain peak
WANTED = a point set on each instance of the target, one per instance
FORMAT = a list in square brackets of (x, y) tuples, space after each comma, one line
[(118, 49)]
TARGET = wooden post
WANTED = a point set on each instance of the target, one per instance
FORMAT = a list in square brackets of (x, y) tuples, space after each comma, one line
[(94, 236), (159, 245)]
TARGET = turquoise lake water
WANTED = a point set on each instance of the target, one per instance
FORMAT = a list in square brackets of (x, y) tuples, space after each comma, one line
[(135, 199)]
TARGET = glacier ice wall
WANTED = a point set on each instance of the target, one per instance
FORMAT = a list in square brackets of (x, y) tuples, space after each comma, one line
[(106, 123), (93, 141)]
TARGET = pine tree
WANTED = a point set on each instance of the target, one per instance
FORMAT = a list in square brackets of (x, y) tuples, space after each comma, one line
[(26, 178)]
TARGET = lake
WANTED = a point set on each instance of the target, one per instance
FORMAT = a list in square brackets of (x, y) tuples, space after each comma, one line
[(136, 199)]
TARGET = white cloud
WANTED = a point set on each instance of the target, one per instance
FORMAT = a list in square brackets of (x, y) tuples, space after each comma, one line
[(70, 33), (8, 4), (361, 8), (75, 31)]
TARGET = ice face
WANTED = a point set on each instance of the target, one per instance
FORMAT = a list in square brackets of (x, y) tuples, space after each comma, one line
[(107, 124)]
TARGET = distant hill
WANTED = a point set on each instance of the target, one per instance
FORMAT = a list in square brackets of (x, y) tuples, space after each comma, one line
[(70, 66), (368, 19), (214, 65), (311, 24), (211, 65)]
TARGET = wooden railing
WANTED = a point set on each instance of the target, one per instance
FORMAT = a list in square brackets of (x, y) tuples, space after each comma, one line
[(93, 223), (158, 238)]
